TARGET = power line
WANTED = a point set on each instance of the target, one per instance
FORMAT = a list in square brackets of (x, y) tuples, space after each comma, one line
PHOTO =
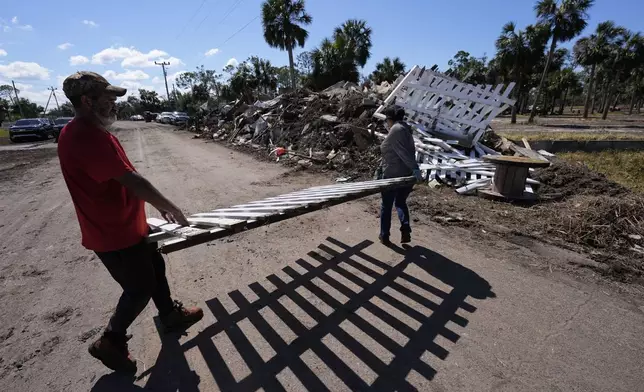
[(230, 11), (239, 31), (232, 36), (191, 18)]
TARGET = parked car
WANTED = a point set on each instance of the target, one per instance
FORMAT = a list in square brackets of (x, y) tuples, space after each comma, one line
[(165, 118), (149, 116), (180, 118), (136, 117), (41, 128), (59, 123)]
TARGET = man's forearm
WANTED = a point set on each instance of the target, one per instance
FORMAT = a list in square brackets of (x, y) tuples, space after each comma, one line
[(144, 190)]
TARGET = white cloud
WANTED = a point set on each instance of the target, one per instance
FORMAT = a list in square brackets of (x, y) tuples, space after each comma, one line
[(14, 20), (26, 27), (78, 60), (3, 52), (24, 70), (233, 61), (6, 29), (132, 58), (173, 77), (212, 52), (133, 86), (157, 80), (65, 46), (127, 75), (90, 23)]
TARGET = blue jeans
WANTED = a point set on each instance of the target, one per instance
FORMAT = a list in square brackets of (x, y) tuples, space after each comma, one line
[(397, 197)]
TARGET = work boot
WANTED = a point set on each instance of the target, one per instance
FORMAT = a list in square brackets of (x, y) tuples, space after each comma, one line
[(113, 354), (180, 318), (384, 240), (405, 235)]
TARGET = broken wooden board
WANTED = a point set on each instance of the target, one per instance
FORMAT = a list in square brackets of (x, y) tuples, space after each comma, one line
[(228, 221)]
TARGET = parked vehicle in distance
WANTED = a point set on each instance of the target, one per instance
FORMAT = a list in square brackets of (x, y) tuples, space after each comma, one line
[(41, 128), (180, 118), (59, 123), (165, 118), (136, 117), (149, 116)]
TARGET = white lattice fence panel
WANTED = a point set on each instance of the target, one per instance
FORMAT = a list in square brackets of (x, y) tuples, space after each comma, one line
[(444, 104)]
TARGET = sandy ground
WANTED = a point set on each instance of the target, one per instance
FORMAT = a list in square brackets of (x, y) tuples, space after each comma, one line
[(310, 303)]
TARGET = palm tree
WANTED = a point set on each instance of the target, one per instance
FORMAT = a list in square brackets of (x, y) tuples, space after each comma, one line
[(387, 70), (333, 62), (592, 51), (517, 50), (356, 36), (637, 56), (563, 81), (265, 74), (282, 21), (620, 52), (565, 20)]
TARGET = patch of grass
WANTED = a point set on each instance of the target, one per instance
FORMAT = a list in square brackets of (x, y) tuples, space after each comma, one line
[(582, 136), (623, 167), (4, 133)]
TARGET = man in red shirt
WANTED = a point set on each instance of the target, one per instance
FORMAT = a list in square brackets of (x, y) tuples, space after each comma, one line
[(109, 197)]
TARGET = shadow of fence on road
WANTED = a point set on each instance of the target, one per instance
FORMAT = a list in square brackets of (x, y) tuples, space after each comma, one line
[(340, 301)]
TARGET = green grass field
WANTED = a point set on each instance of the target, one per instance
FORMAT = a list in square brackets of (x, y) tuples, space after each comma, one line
[(623, 167), (582, 136), (4, 133)]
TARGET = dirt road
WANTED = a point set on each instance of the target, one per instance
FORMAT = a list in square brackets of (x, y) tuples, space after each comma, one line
[(310, 303)]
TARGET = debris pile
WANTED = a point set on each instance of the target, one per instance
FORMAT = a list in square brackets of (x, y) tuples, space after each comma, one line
[(340, 128), (564, 179), (334, 127)]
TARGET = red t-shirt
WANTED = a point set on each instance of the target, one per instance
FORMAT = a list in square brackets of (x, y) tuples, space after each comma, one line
[(111, 217)]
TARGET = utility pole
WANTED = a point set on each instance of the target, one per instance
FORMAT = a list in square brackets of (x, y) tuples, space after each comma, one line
[(48, 99), (55, 99), (17, 99), (165, 77), (52, 89)]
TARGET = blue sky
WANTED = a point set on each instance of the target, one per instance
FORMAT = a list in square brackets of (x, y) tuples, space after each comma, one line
[(43, 41)]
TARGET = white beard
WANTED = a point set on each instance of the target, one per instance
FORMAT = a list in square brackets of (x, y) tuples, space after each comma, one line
[(107, 121)]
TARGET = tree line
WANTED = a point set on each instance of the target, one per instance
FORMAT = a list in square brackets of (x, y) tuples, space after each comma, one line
[(604, 69)]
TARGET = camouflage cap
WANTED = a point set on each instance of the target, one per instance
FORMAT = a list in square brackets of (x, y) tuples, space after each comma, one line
[(89, 83)]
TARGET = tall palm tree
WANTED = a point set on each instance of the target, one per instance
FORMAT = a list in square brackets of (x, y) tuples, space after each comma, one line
[(565, 20), (517, 50), (593, 50), (283, 21), (356, 35), (387, 70)]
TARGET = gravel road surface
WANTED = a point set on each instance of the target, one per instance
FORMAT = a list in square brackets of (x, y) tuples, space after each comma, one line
[(310, 303)]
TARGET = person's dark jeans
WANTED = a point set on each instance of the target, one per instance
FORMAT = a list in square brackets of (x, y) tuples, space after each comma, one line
[(140, 270), (395, 197)]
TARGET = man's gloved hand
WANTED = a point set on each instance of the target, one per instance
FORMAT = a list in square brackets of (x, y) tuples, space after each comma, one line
[(418, 175)]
